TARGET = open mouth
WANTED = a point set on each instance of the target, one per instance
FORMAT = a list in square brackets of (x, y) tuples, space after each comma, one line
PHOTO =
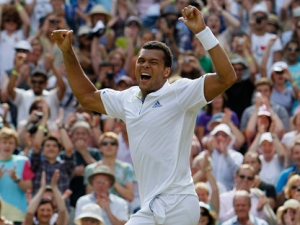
[(145, 76)]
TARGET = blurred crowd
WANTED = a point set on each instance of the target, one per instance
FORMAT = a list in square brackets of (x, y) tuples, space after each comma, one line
[(62, 164)]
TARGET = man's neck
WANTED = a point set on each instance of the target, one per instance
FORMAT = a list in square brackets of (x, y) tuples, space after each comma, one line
[(259, 32), (243, 221), (51, 161)]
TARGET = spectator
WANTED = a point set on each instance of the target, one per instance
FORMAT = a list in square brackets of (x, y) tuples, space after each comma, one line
[(259, 37), (259, 206), (252, 158), (16, 176), (207, 217), (14, 27), (90, 214), (281, 93), (273, 156), (115, 210), (45, 153), (242, 206), (123, 172), (264, 87), (225, 161), (4, 221), (38, 82), (288, 214), (43, 208)]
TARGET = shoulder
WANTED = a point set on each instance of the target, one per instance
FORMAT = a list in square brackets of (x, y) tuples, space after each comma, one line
[(231, 221), (19, 158), (123, 164), (117, 200)]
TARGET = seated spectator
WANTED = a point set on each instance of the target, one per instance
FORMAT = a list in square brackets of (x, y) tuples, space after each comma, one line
[(225, 161), (38, 81), (84, 155), (263, 87), (124, 175), (281, 93), (259, 206), (90, 214), (207, 217), (285, 174), (115, 209), (292, 188), (273, 156), (16, 177), (207, 193), (242, 206), (218, 105), (45, 153), (43, 208), (288, 214), (252, 158)]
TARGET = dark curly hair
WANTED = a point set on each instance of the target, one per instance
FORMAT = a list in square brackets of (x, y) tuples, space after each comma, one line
[(10, 12)]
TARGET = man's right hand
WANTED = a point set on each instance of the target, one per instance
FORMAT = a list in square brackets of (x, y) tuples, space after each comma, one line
[(63, 39)]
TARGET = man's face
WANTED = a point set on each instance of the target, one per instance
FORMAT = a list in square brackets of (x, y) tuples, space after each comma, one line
[(150, 72), (202, 195), (248, 159), (265, 90), (7, 147), (241, 206), (80, 133), (267, 149), (50, 150), (244, 180), (239, 70), (38, 84), (292, 52), (296, 154), (101, 183), (260, 21)]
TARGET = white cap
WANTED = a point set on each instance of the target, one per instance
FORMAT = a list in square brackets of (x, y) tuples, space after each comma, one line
[(221, 127), (204, 205), (90, 210), (296, 11), (279, 66), (265, 137), (23, 45), (263, 111), (259, 8)]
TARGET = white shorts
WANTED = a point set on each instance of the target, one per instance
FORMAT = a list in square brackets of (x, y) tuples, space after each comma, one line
[(168, 210)]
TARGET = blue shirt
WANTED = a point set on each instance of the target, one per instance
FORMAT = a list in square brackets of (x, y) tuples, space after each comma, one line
[(253, 219), (283, 178)]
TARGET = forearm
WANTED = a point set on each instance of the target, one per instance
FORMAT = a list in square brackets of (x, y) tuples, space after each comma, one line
[(125, 192), (59, 81), (35, 201), (11, 86), (215, 200), (25, 185), (279, 146), (61, 206), (87, 157), (79, 82), (255, 144), (230, 20), (39, 136), (239, 136), (113, 219), (66, 141), (198, 176)]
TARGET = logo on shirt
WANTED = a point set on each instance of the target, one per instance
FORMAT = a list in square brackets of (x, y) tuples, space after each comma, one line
[(156, 105)]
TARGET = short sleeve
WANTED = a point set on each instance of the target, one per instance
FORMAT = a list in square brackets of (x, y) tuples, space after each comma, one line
[(113, 103), (27, 172)]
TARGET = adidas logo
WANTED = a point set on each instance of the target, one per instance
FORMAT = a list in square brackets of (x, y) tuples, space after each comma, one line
[(157, 104)]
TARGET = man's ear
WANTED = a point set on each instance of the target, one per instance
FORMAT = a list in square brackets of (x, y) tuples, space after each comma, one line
[(167, 72)]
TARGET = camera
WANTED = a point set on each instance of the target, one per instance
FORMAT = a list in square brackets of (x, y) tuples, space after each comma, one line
[(109, 75), (97, 31), (259, 19), (39, 115), (80, 117), (187, 60)]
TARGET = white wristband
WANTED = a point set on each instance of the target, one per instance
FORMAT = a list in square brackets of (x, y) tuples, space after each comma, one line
[(207, 38)]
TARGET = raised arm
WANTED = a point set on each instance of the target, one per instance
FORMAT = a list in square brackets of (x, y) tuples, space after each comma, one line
[(225, 76), (83, 89)]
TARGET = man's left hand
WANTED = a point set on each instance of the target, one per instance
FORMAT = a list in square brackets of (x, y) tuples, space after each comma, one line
[(193, 19)]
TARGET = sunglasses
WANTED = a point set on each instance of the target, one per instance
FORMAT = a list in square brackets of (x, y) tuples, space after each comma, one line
[(245, 177), (293, 49), (293, 211), (91, 220), (239, 69), (279, 72), (54, 22), (259, 19), (203, 213), (112, 143), (294, 187), (10, 20), (37, 82)]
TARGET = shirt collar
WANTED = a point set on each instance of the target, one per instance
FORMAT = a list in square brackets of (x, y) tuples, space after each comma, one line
[(155, 93)]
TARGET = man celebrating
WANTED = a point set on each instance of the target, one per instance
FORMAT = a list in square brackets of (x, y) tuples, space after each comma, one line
[(151, 112)]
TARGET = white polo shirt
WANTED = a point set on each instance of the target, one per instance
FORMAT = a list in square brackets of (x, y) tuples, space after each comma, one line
[(160, 133)]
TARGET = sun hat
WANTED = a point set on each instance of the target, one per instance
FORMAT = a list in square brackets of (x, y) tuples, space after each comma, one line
[(90, 210), (221, 127), (267, 136), (101, 169)]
